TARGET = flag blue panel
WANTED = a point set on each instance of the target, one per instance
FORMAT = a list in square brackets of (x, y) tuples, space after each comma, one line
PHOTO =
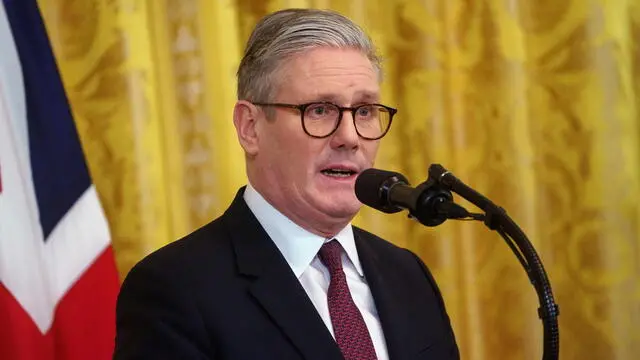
[(60, 174)]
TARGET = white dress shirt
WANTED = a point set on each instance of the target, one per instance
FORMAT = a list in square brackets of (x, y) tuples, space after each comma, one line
[(300, 248)]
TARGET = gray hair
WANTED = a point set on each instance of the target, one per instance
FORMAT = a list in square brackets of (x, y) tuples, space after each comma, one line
[(288, 32)]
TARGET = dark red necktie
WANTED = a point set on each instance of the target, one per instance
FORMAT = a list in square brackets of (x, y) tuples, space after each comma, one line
[(349, 327)]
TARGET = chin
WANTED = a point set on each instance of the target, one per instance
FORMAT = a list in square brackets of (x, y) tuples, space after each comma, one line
[(337, 203), (342, 208)]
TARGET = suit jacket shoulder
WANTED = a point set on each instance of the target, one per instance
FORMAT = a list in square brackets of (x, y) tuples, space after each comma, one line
[(157, 315)]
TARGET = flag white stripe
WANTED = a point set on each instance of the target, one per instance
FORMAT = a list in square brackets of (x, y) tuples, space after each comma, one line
[(22, 270), (11, 78), (77, 240)]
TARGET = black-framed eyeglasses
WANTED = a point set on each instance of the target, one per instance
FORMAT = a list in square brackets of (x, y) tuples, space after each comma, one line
[(321, 119)]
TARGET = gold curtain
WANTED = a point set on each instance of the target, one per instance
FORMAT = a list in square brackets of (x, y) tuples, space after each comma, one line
[(534, 103)]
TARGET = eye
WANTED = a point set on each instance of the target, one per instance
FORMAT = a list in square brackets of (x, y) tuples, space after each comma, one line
[(365, 111), (321, 110)]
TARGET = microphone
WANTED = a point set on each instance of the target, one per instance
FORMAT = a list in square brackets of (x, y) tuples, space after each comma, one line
[(390, 192)]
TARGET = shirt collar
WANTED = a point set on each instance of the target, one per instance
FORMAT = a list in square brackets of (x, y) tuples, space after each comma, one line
[(297, 245)]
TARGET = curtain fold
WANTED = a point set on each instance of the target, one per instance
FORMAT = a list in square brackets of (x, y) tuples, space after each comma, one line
[(533, 103)]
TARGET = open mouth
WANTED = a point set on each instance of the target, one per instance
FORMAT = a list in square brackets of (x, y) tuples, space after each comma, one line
[(340, 173)]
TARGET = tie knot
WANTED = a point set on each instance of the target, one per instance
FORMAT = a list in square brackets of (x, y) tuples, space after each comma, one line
[(331, 255)]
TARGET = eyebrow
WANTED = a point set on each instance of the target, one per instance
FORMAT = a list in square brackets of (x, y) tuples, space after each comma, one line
[(360, 97), (366, 96)]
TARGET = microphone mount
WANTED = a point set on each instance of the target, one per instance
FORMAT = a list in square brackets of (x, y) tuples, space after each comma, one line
[(434, 205), (496, 218)]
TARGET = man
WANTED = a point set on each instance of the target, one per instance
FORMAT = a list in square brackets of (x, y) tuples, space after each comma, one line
[(283, 274)]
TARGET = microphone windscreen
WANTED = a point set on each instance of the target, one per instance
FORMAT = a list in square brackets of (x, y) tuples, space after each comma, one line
[(372, 185)]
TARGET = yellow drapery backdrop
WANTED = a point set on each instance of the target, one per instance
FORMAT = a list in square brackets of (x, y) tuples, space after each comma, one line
[(534, 103)]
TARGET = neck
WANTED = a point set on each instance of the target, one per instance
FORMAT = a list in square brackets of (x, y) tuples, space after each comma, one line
[(304, 216)]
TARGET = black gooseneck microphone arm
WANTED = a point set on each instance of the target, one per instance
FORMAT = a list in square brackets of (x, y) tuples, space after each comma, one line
[(496, 218)]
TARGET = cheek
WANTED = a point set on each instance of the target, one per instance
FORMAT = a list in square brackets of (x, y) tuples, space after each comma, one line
[(294, 158), (302, 162), (370, 150)]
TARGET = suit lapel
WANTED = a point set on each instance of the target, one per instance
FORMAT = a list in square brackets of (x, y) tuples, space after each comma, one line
[(290, 308), (405, 337), (275, 287)]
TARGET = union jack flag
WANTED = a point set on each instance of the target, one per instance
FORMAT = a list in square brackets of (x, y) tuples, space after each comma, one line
[(58, 280)]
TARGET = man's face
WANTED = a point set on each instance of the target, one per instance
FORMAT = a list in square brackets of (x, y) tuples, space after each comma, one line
[(312, 180)]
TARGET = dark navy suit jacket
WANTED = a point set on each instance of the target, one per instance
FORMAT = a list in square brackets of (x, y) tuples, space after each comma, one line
[(226, 292)]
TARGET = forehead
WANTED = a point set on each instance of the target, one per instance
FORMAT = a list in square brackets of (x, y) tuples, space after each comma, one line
[(329, 74)]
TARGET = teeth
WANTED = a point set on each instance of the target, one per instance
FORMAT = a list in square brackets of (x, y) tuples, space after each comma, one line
[(337, 172)]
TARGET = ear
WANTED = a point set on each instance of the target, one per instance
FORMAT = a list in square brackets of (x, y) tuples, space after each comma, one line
[(245, 116)]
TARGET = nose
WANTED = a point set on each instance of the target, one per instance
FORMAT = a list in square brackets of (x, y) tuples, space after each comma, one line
[(346, 135)]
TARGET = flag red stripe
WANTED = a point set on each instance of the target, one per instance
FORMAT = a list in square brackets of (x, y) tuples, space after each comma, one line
[(83, 326)]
